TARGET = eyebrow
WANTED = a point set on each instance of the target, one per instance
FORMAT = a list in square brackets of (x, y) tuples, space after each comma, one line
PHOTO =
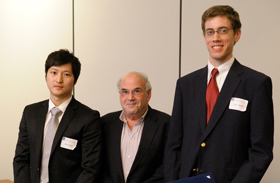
[(218, 28), (132, 89), (55, 69)]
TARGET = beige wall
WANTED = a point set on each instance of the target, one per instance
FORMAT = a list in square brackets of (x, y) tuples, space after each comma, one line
[(112, 38), (115, 37), (29, 31)]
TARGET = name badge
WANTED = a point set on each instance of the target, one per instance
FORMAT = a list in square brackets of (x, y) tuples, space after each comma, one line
[(238, 104), (68, 143)]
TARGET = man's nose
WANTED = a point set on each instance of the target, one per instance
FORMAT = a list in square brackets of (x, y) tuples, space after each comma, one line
[(59, 78), (130, 96), (216, 36)]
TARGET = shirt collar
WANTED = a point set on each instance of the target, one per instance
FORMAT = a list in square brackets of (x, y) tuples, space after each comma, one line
[(224, 68), (123, 118), (62, 106)]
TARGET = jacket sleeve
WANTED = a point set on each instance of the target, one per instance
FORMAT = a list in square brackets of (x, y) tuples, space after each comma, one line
[(157, 177), (21, 160), (174, 141), (260, 154), (91, 151)]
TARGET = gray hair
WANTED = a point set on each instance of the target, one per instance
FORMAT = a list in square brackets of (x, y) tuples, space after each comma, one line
[(142, 75)]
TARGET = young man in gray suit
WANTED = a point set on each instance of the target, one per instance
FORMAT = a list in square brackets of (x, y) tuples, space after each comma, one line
[(63, 148), (224, 124)]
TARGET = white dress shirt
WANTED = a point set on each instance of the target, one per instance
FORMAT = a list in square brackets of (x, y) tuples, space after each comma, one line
[(62, 107), (223, 71)]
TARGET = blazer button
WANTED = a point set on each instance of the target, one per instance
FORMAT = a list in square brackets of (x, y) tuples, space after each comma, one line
[(202, 144)]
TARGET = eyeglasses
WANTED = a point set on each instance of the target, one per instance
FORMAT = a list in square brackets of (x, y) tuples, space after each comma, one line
[(135, 92), (211, 32)]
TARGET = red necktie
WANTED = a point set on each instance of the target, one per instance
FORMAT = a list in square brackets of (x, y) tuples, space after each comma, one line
[(212, 93)]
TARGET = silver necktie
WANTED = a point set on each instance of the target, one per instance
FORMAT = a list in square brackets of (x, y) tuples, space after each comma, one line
[(47, 146)]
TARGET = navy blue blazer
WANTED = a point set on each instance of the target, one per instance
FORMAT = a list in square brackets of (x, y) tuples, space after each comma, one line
[(236, 145), (148, 163), (79, 165)]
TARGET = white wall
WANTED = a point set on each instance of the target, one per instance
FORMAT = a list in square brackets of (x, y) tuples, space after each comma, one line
[(113, 38), (30, 30), (116, 37)]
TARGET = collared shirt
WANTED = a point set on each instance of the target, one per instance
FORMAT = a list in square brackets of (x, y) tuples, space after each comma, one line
[(130, 141), (62, 107), (223, 71)]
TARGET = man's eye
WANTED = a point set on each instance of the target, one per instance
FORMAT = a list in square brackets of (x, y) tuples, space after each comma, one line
[(124, 91), (137, 91), (210, 32), (223, 30)]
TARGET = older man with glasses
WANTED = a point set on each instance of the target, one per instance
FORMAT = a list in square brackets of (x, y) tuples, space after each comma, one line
[(134, 138)]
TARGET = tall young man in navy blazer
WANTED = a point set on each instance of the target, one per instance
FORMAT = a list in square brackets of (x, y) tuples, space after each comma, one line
[(79, 126), (134, 138), (236, 144)]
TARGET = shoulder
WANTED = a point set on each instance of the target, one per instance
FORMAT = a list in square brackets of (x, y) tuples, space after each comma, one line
[(246, 72), (36, 106), (193, 75), (82, 107), (158, 115), (111, 116), (253, 77), (191, 82), (83, 115), (250, 79), (254, 74)]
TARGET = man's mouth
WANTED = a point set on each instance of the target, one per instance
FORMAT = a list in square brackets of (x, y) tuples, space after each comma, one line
[(217, 47), (58, 87)]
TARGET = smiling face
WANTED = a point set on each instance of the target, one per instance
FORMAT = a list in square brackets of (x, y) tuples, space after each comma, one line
[(220, 46), (60, 81), (134, 104)]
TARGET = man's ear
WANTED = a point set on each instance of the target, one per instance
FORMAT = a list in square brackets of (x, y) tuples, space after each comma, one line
[(237, 36), (149, 94)]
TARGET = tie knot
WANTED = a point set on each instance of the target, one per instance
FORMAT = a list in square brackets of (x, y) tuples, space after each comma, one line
[(56, 111), (214, 72)]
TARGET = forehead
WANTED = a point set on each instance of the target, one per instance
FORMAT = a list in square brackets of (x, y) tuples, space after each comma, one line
[(132, 81), (217, 22), (63, 68)]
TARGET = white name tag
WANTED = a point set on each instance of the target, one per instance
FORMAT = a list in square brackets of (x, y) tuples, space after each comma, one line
[(68, 143), (238, 104)]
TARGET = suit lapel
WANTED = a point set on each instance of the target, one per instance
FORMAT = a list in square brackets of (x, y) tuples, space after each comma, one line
[(149, 130), (230, 85), (39, 126), (116, 144), (201, 86), (70, 112), (40, 122)]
